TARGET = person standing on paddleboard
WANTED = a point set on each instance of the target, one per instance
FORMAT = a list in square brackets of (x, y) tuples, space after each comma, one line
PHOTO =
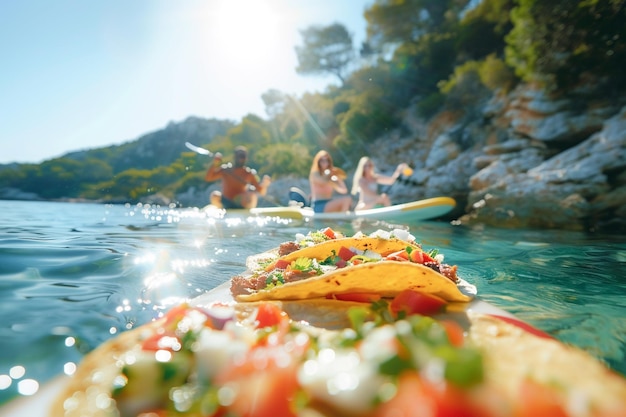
[(325, 179), (366, 180), (240, 183)]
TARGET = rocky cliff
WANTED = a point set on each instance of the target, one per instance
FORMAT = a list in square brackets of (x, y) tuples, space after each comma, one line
[(525, 159)]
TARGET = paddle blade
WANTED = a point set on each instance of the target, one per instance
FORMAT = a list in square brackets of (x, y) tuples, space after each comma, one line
[(198, 149)]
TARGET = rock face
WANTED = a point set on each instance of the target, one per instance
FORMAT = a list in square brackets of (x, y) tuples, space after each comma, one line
[(577, 188), (529, 161)]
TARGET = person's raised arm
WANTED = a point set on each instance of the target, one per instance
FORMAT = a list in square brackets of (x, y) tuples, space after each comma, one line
[(265, 183), (215, 170), (388, 180), (338, 184)]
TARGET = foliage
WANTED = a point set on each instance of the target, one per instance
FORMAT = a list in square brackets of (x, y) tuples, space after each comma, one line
[(423, 66), (464, 87), (407, 21), (431, 104), (326, 49), (560, 42), (365, 110), (134, 183), (274, 101), (252, 132), (470, 77), (306, 121), (285, 159), (495, 74), (59, 177), (482, 30)]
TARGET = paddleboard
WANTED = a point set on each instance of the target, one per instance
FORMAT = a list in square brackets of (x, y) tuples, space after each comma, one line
[(426, 209)]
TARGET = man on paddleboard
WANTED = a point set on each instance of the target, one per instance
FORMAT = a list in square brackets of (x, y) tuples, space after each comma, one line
[(240, 183)]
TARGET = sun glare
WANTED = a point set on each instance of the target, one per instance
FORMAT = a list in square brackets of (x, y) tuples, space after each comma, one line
[(243, 31)]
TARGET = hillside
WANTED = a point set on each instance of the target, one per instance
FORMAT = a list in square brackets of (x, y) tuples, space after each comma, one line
[(147, 162), (158, 148)]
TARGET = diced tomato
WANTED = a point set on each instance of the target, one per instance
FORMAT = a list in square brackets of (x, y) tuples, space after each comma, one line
[(341, 263), (345, 253), (401, 255), (175, 314), (265, 382), (416, 397), (358, 297), (330, 233), (281, 264), (268, 315), (416, 302), (171, 319), (154, 342), (524, 326), (153, 413), (539, 400), (454, 332), (420, 257)]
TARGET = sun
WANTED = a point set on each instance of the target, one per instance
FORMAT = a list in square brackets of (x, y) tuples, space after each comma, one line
[(243, 31)]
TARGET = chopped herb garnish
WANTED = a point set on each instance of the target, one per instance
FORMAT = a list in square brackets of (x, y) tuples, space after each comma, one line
[(332, 259)]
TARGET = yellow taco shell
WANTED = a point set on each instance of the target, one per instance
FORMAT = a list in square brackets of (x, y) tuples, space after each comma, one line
[(325, 249), (386, 278)]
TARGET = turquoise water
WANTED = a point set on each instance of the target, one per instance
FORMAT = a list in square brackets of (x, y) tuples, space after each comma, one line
[(74, 275)]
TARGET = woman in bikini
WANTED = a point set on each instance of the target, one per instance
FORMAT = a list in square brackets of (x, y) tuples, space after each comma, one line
[(325, 179), (366, 180)]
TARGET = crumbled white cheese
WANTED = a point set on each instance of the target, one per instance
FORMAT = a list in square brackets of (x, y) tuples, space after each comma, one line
[(342, 379)]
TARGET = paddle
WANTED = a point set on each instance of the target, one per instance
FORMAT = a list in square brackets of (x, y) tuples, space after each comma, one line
[(406, 172), (198, 149)]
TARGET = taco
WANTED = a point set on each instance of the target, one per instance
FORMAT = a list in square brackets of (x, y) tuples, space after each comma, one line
[(220, 360), (381, 263), (320, 241)]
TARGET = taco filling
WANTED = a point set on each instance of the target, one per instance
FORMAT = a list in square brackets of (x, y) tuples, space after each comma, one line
[(375, 263)]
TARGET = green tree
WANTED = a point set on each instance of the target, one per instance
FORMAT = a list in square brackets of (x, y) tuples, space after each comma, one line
[(368, 108), (132, 184), (559, 42), (483, 29), (326, 50), (252, 132), (61, 177), (95, 170), (285, 159), (397, 22), (274, 101), (421, 34)]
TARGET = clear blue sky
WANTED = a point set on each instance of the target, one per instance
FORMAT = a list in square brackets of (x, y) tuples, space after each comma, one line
[(78, 74)]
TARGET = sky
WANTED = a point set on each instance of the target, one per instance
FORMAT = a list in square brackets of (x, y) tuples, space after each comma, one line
[(78, 74)]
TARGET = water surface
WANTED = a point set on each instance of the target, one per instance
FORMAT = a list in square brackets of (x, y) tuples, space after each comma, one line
[(75, 275)]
